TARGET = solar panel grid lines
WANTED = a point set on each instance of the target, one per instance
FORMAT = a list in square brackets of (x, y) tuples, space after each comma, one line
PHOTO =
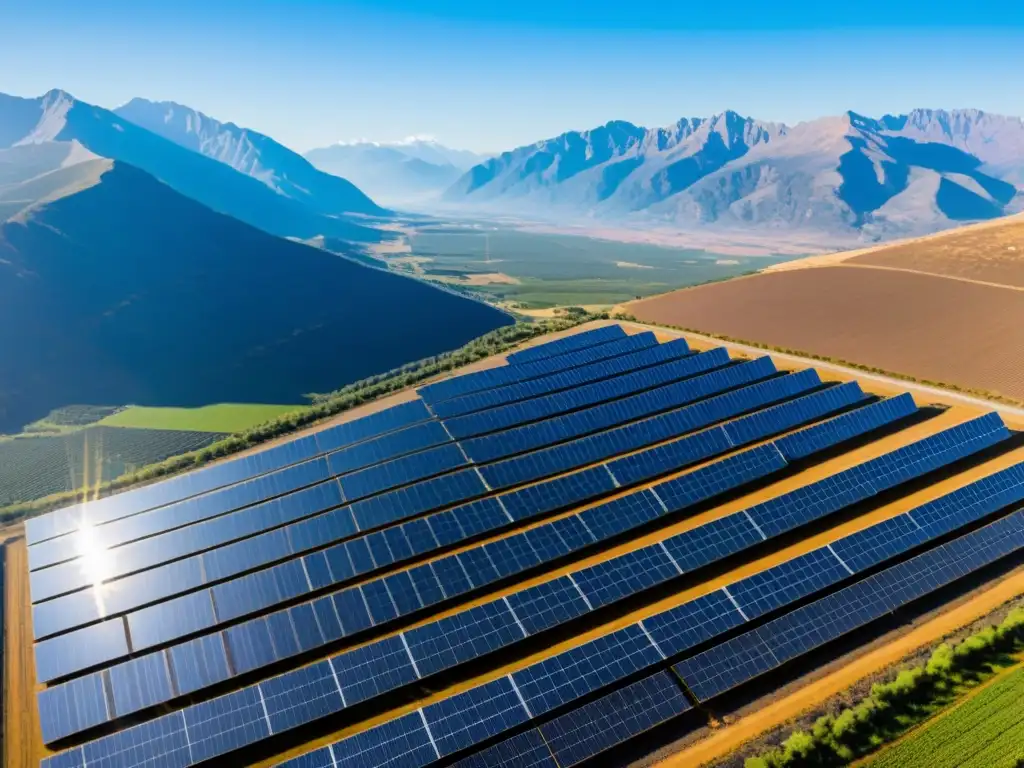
[(327, 528), (566, 344), (715, 375), (503, 417), (653, 627), (468, 383), (716, 670), (593, 728), (710, 547), (565, 379), (468, 718), (69, 519), (524, 750)]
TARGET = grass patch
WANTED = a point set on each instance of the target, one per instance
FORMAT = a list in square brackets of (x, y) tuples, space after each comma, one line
[(914, 696), (226, 417)]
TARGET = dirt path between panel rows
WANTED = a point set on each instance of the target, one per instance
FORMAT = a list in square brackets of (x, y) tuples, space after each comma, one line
[(732, 737)]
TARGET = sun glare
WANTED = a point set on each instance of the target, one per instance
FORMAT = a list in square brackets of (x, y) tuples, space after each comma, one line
[(95, 559)]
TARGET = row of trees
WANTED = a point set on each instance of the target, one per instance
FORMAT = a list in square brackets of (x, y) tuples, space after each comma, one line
[(893, 706)]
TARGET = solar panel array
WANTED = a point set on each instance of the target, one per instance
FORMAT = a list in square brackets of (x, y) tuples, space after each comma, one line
[(279, 591)]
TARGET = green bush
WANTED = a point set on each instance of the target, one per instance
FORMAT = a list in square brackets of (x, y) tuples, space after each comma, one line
[(893, 706)]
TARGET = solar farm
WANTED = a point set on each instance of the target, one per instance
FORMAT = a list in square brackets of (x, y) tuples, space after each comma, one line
[(591, 548)]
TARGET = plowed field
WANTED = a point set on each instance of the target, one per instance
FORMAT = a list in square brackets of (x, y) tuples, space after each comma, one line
[(928, 327)]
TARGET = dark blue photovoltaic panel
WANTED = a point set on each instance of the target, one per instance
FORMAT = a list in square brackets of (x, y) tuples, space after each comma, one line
[(813, 439), (622, 514), (709, 375), (468, 718), (742, 658), (480, 516), (352, 609), (79, 650), (489, 378), (463, 636), (567, 344), (478, 566), (66, 520), (881, 541), (162, 742), (427, 585), (224, 724), (712, 541), (319, 758), (685, 626), (373, 669), (199, 663), (401, 743), (72, 707), (787, 582), (773, 420), (722, 476), (70, 759), (864, 480), (547, 604), (250, 645), (505, 416), (403, 471), (327, 619), (525, 750), (181, 513), (307, 627), (557, 493), (420, 497), (625, 575), (259, 590), (571, 674), (972, 502), (140, 683), (573, 532), (301, 696), (512, 554), (613, 719), (414, 438), (562, 380), (451, 575), (670, 456), (403, 593), (378, 600)]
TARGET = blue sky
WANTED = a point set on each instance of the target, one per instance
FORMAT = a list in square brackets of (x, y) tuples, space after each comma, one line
[(493, 75)]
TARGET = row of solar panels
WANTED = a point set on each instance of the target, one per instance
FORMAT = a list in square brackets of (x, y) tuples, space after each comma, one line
[(101, 511), (359, 555), (79, 704), (311, 531), (430, 452), (613, 719), (219, 726)]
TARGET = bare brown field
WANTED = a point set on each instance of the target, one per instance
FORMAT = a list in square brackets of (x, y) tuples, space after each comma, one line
[(928, 327), (993, 254)]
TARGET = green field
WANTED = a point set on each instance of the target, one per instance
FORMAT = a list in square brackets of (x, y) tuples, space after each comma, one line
[(34, 467), (559, 270), (986, 731), (226, 417)]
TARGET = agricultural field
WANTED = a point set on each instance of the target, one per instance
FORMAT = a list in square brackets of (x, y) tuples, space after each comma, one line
[(34, 467), (537, 270), (225, 417), (928, 327), (986, 731)]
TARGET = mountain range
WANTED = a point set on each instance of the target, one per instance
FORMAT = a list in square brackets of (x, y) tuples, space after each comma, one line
[(402, 172), (847, 177), (138, 269)]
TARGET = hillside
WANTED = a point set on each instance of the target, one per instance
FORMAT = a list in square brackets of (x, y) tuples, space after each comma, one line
[(252, 154), (58, 116), (128, 292), (849, 177), (948, 308), (402, 172)]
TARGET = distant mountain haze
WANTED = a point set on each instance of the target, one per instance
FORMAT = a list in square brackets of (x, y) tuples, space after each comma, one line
[(115, 288), (846, 176), (251, 153), (401, 172), (57, 116)]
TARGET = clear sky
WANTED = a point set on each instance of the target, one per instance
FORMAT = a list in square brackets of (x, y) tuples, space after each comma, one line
[(491, 74)]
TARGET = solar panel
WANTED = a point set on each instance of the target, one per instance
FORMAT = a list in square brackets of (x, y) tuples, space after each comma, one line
[(524, 750), (476, 381), (140, 683), (75, 706), (69, 519), (787, 582), (574, 377), (401, 743), (614, 719), (503, 417), (567, 344), (86, 648), (468, 718), (402, 471), (466, 635), (627, 574), (753, 653), (692, 623)]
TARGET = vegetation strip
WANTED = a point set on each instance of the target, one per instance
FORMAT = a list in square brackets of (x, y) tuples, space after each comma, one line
[(911, 698)]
